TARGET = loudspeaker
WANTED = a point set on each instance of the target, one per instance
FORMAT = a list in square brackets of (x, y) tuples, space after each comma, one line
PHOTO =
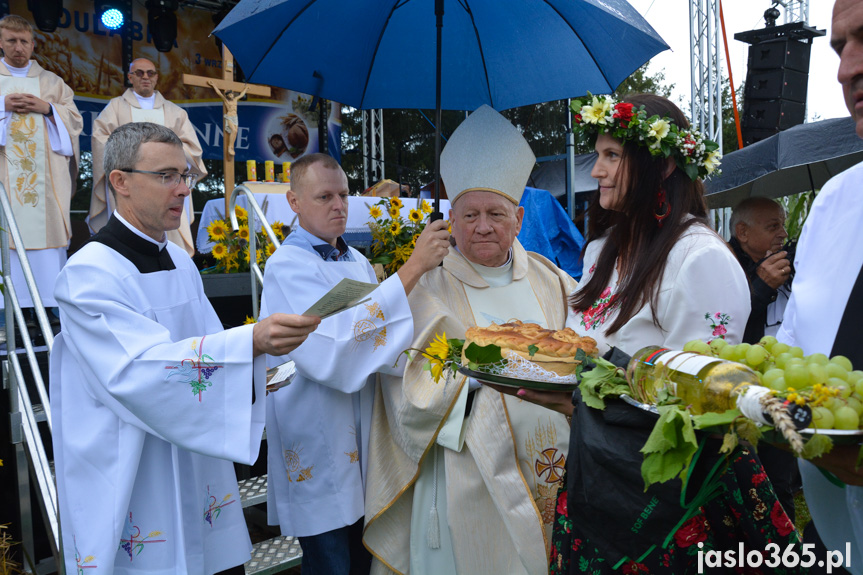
[(781, 53), (752, 136), (778, 84), (772, 114)]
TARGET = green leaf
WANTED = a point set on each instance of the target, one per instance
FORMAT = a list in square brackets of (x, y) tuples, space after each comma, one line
[(729, 442), (712, 419), (532, 349), (604, 380), (483, 354), (670, 446), (691, 171), (747, 430), (817, 446)]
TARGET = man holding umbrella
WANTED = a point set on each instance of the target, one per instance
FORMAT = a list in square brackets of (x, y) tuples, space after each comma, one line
[(825, 313)]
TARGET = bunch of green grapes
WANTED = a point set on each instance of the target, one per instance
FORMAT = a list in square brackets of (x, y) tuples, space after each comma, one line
[(831, 386)]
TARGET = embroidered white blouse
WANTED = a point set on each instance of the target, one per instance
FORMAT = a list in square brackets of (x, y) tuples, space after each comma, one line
[(703, 294)]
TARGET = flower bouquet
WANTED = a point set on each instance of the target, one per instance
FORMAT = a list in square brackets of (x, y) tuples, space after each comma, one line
[(394, 238), (231, 249)]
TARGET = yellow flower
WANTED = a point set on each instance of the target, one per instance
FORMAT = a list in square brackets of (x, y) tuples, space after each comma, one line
[(375, 212), (278, 229), (415, 216), (219, 251), (396, 203), (271, 249), (425, 207), (241, 212), (249, 319), (395, 213), (712, 161), (596, 112), (414, 240), (658, 129), (217, 230), (395, 228), (437, 353), (243, 233)]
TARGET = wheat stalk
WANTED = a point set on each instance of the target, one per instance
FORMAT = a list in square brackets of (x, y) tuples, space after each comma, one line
[(774, 407)]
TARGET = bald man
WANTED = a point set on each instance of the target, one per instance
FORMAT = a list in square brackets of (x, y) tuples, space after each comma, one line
[(143, 103)]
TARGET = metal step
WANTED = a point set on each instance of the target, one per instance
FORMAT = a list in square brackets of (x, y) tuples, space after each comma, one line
[(274, 556), (253, 490)]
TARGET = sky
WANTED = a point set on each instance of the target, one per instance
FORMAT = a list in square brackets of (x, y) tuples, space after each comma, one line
[(670, 18)]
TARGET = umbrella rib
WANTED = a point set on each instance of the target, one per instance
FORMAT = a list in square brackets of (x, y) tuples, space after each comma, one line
[(279, 37), (467, 9), (583, 43), (396, 6)]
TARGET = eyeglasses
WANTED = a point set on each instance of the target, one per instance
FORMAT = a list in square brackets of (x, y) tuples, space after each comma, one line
[(169, 179), (148, 73)]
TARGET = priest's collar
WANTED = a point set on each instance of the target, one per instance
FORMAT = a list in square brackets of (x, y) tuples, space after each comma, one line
[(464, 270), (147, 103), (19, 72), (326, 251), (146, 254)]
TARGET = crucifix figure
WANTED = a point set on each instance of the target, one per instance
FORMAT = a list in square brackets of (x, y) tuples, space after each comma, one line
[(224, 86)]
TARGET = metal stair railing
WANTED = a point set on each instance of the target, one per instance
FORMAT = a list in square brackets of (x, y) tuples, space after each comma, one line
[(29, 448), (254, 210)]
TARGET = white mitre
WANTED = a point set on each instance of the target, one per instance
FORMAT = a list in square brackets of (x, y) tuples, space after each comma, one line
[(486, 153)]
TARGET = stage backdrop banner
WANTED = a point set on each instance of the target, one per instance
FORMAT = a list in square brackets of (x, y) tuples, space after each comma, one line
[(88, 57)]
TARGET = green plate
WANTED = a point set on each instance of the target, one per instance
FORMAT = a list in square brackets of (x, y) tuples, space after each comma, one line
[(513, 382)]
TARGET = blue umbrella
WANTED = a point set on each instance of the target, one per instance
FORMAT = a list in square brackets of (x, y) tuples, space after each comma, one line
[(384, 53)]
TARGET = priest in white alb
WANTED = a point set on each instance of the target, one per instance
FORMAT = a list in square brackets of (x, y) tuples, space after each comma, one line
[(39, 128), (143, 103), (318, 426), (151, 400), (463, 479)]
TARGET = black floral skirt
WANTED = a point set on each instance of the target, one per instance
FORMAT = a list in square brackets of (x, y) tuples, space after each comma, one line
[(747, 511)]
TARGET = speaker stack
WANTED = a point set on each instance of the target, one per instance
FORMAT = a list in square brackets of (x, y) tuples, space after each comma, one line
[(774, 98)]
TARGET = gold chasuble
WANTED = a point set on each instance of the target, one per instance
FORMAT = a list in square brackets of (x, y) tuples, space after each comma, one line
[(500, 487), (39, 181)]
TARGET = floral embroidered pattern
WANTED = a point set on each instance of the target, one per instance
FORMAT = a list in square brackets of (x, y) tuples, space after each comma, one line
[(133, 543), (81, 564), (293, 468), (366, 329), (214, 508), (599, 312), (23, 131), (195, 371), (353, 456), (717, 322)]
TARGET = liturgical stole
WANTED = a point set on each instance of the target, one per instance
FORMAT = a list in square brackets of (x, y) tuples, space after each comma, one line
[(26, 165)]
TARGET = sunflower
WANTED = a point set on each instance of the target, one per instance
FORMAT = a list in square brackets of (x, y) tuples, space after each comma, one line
[(416, 216), (217, 230), (414, 240), (438, 353), (396, 203), (241, 212), (243, 234), (425, 207), (219, 251), (395, 213), (271, 249), (279, 229), (249, 319), (375, 212), (395, 228)]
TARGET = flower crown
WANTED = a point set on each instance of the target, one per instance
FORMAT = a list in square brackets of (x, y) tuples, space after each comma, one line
[(692, 152)]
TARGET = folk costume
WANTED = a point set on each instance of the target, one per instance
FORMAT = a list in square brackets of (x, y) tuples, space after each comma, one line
[(39, 167), (130, 107), (728, 500), (151, 401), (318, 426), (824, 316), (462, 478)]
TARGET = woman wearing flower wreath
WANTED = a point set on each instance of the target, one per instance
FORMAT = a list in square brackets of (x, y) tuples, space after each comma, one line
[(655, 274)]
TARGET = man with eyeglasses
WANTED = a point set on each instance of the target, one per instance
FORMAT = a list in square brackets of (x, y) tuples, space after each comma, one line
[(39, 128), (152, 400), (143, 103)]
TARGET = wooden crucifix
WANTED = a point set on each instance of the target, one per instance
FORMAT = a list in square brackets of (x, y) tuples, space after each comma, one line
[(230, 92)]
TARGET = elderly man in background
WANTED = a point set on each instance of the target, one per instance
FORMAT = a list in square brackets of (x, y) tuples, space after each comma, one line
[(463, 479), (39, 128), (757, 237), (143, 103), (825, 313)]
